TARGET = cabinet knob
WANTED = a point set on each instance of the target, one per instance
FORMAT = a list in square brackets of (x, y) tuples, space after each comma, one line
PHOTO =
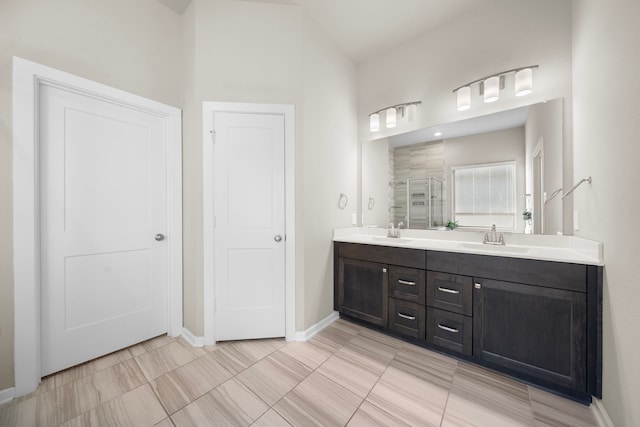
[(384, 270), (477, 286)]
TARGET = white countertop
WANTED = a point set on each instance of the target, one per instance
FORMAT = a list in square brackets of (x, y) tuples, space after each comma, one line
[(529, 246)]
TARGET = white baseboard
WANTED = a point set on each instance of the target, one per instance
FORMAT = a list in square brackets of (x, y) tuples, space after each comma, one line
[(189, 337), (600, 412), (314, 329), (7, 394)]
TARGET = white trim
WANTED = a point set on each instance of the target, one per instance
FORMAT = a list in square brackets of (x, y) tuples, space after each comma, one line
[(314, 329), (27, 78), (193, 340), (288, 111), (600, 413), (7, 395)]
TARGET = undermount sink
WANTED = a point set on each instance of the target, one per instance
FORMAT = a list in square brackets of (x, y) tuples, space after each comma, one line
[(396, 240), (495, 248)]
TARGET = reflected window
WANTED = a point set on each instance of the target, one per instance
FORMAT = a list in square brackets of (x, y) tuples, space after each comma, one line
[(484, 195)]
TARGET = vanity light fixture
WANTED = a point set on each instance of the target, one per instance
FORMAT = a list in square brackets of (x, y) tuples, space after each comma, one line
[(406, 111), (490, 86)]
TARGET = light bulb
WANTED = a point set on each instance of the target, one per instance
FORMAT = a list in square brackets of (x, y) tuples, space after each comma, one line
[(464, 98), (391, 117), (491, 89), (524, 82), (411, 111), (374, 122)]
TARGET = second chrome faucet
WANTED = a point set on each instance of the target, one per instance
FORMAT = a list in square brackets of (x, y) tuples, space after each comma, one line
[(493, 238)]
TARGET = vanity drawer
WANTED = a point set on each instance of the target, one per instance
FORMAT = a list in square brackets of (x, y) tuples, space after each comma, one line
[(407, 318), (449, 330), (408, 284), (450, 292)]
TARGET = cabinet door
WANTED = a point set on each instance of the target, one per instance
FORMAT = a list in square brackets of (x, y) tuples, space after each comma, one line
[(363, 290), (535, 331)]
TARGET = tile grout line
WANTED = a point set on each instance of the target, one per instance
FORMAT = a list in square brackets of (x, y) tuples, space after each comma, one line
[(444, 410), (235, 377), (372, 387), (154, 391), (333, 353)]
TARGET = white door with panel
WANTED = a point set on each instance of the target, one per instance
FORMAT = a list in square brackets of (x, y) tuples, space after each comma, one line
[(103, 178), (249, 209)]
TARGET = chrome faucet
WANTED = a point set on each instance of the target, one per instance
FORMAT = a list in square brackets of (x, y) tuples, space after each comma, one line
[(394, 232), (493, 238)]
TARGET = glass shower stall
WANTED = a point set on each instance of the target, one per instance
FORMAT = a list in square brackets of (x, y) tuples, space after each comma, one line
[(417, 202)]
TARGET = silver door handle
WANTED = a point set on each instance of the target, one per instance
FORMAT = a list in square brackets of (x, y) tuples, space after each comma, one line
[(159, 237), (277, 238), (477, 286), (405, 282), (447, 290)]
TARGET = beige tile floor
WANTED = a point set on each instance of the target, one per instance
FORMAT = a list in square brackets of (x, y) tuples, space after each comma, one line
[(345, 375)]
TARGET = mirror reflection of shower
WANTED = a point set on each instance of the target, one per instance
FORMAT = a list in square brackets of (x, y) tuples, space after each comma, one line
[(418, 202)]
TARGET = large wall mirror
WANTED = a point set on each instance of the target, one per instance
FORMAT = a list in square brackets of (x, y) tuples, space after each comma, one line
[(504, 169)]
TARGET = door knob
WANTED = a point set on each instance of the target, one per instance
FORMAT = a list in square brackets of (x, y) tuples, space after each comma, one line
[(159, 237), (277, 238)]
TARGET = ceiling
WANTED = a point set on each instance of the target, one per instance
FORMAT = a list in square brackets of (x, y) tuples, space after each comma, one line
[(363, 28)]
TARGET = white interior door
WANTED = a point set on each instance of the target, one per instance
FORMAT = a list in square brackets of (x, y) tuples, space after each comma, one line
[(103, 201), (249, 206)]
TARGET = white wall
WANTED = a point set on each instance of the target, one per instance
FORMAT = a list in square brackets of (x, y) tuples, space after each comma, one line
[(129, 45), (606, 107), (375, 182), (328, 168), (272, 53), (239, 52), (220, 50), (431, 66), (545, 125)]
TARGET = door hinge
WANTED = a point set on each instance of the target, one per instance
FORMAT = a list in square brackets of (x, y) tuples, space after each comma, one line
[(213, 136)]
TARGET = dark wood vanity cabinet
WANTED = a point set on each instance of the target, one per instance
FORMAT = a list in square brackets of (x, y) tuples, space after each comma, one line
[(540, 321), (536, 331), (363, 290), (382, 285)]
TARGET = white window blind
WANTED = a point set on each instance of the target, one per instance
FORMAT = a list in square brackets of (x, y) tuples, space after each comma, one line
[(485, 195)]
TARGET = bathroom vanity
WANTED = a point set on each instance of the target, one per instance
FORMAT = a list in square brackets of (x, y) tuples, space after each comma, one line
[(529, 310)]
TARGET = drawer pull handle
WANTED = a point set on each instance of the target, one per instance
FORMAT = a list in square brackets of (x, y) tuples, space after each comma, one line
[(447, 290), (405, 282), (406, 316), (448, 329)]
